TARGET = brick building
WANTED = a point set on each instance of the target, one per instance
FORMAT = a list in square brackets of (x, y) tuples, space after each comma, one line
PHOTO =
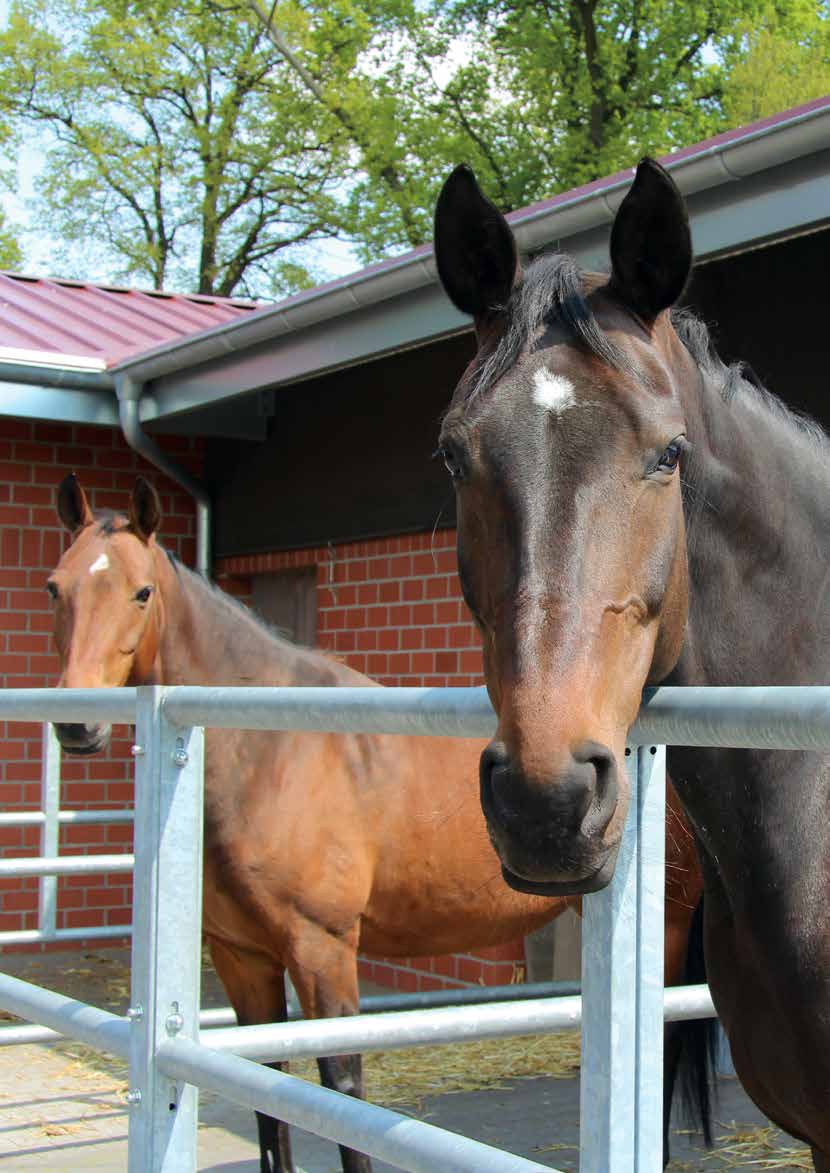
[(306, 430)]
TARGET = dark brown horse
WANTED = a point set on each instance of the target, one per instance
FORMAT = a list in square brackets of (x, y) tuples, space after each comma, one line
[(631, 511), (316, 845)]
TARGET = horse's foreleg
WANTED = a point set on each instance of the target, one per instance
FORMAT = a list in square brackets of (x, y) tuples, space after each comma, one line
[(344, 1073), (255, 986), (327, 986)]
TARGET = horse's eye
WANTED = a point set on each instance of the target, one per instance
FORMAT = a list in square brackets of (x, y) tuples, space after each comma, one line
[(52, 589), (670, 459), (143, 595), (451, 462)]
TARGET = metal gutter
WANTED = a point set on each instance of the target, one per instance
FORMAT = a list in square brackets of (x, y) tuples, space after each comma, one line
[(727, 158), (46, 374), (129, 396)]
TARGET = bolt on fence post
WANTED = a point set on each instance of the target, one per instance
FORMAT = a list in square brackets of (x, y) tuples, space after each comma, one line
[(167, 929), (607, 1099), (651, 869), (50, 800)]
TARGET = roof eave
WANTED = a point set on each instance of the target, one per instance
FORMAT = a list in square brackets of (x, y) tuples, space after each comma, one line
[(732, 157)]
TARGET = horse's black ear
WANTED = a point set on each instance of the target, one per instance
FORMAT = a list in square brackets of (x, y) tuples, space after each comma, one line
[(651, 245), (475, 251), (73, 507), (145, 509)]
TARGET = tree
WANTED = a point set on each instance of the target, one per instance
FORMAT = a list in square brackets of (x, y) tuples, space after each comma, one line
[(778, 61), (179, 143), (205, 142), (537, 96), (11, 256)]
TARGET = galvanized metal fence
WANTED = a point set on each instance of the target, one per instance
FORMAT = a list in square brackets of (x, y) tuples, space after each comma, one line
[(622, 1007)]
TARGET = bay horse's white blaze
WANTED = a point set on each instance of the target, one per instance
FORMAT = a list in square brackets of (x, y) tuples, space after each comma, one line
[(102, 562), (552, 392)]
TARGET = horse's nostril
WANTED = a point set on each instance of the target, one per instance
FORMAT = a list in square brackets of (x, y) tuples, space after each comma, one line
[(493, 769), (600, 810), (493, 756)]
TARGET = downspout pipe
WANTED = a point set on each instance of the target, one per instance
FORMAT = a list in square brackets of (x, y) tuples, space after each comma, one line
[(129, 397)]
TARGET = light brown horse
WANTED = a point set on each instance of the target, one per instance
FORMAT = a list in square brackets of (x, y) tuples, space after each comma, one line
[(316, 845)]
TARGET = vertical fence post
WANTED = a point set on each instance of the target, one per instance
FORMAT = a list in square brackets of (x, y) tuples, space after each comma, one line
[(167, 927), (621, 1093), (50, 798), (607, 1101), (651, 868)]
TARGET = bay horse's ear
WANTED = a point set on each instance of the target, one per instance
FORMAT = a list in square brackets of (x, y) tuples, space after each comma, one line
[(651, 245), (145, 510), (73, 507), (475, 251)]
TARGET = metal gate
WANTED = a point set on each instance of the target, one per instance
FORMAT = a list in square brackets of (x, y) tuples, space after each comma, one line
[(623, 1003)]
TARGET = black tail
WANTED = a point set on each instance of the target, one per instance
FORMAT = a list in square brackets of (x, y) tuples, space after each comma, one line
[(691, 1049)]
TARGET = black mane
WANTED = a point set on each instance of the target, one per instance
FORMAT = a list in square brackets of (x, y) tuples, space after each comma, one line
[(738, 377)]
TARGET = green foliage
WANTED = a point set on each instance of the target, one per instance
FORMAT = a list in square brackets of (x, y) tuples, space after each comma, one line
[(537, 96), (11, 256), (205, 143), (779, 60)]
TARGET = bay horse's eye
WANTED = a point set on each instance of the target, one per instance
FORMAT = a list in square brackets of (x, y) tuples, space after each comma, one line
[(52, 589), (143, 595), (670, 459)]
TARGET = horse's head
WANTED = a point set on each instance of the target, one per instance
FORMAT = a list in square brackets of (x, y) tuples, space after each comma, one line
[(107, 610), (563, 441)]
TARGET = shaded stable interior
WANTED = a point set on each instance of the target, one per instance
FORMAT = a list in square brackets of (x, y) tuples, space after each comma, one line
[(349, 455)]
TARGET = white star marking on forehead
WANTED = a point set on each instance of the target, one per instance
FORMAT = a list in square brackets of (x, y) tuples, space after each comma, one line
[(554, 393), (102, 562)]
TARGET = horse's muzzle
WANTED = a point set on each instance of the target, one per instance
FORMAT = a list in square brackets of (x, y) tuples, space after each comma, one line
[(83, 739), (549, 832)]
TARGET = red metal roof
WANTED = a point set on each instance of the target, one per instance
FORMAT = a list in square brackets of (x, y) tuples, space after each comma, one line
[(99, 325)]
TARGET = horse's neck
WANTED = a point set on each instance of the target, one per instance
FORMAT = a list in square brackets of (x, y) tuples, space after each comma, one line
[(206, 640), (758, 523)]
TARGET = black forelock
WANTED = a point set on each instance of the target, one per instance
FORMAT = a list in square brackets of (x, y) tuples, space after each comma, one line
[(552, 290)]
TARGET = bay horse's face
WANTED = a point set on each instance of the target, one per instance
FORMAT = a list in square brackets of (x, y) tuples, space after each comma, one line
[(563, 441), (107, 613)]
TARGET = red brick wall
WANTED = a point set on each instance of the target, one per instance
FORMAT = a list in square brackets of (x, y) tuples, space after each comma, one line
[(392, 608), (34, 457)]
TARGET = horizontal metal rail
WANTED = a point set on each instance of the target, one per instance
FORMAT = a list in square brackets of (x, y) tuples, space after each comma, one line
[(771, 718), (373, 1004), (399, 1140), (450, 712), (67, 865), (423, 1028), (115, 706), (795, 717), (65, 818), (87, 933), (97, 1028)]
